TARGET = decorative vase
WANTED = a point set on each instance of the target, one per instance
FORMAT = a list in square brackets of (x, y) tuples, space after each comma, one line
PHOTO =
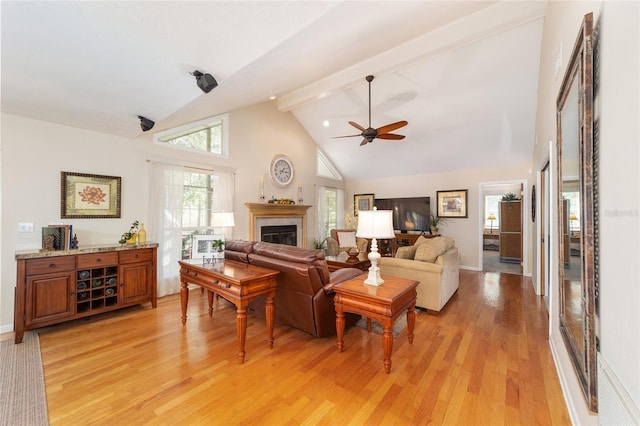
[(142, 234), (132, 240)]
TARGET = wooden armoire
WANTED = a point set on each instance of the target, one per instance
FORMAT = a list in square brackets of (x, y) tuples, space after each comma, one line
[(511, 231)]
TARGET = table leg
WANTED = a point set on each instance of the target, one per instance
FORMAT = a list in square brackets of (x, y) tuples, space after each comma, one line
[(411, 322), (387, 344), (210, 299), (184, 299), (241, 331), (340, 327), (270, 315), (369, 324)]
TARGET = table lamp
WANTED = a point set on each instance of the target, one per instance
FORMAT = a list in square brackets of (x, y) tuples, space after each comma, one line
[(572, 218), (491, 217), (375, 224)]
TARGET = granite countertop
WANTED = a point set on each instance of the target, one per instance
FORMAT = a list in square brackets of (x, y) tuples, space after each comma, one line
[(98, 248)]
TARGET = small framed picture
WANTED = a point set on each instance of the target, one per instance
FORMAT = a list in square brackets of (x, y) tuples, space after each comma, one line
[(203, 247), (85, 196), (452, 204), (362, 202)]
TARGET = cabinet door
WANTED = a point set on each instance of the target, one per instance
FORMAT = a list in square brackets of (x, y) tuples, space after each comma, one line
[(50, 298), (136, 282)]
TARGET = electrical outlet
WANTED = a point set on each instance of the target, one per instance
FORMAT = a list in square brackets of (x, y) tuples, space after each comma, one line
[(25, 227)]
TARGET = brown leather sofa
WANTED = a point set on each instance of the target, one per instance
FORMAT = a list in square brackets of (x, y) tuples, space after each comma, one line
[(304, 297)]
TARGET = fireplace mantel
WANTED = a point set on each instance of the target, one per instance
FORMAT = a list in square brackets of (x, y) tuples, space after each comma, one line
[(268, 210)]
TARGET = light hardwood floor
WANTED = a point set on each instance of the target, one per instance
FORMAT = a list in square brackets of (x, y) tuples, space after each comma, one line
[(484, 361)]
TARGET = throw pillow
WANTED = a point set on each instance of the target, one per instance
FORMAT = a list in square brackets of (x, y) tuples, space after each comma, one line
[(347, 239), (430, 250), (420, 240)]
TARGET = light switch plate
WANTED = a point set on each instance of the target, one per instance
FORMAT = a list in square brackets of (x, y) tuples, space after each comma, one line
[(25, 227)]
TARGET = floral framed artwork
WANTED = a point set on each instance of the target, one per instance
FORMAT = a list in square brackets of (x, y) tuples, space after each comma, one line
[(362, 202), (86, 196), (452, 204)]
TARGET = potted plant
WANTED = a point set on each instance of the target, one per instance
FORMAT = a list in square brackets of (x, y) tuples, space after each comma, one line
[(433, 223), (218, 245), (129, 237), (509, 197), (318, 244)]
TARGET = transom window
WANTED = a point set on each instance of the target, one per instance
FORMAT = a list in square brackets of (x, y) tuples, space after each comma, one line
[(210, 135)]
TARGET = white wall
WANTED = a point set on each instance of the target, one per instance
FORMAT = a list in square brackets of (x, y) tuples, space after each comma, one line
[(617, 109), (466, 231), (35, 152)]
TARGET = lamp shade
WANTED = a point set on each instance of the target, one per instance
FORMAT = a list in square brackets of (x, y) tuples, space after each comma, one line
[(572, 216), (491, 216), (375, 224), (222, 220)]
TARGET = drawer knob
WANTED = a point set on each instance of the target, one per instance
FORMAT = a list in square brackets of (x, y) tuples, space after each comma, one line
[(99, 260), (52, 265)]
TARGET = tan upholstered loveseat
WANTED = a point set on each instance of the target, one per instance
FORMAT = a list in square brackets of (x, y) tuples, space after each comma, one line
[(432, 261), (335, 245)]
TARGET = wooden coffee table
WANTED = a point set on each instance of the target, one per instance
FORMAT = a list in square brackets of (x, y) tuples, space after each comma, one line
[(342, 260), (239, 283), (383, 303)]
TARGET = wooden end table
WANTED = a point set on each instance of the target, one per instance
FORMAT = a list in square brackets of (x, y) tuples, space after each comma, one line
[(342, 260), (239, 283), (383, 303)]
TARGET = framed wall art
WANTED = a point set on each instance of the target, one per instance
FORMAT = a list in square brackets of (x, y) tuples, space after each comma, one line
[(452, 204), (86, 196), (362, 202), (203, 245)]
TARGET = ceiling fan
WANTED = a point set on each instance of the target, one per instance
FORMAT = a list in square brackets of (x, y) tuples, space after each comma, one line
[(369, 134)]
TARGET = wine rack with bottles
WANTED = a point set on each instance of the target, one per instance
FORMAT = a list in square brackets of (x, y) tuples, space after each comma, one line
[(96, 288)]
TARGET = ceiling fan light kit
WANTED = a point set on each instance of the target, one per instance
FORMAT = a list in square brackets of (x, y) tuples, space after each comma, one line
[(145, 123), (369, 134)]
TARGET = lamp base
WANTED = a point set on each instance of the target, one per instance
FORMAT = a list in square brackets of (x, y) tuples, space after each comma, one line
[(374, 277)]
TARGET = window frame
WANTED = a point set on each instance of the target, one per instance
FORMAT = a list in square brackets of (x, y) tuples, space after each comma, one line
[(193, 127)]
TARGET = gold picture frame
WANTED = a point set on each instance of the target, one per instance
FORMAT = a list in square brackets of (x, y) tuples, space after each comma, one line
[(362, 202), (87, 196), (452, 204)]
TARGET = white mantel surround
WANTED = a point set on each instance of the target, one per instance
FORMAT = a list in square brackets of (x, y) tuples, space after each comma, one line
[(266, 214)]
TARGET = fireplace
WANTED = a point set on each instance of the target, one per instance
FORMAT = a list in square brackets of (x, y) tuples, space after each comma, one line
[(286, 234), (263, 216)]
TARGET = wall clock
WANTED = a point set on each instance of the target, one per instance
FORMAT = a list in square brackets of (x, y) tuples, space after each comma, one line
[(281, 170)]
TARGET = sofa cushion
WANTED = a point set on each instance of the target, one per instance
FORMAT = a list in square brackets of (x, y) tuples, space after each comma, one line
[(346, 238), (406, 252), (421, 239), (431, 249)]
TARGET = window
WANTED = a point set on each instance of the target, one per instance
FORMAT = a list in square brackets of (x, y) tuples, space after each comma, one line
[(330, 209), (492, 206), (210, 135), (197, 209), (574, 209), (325, 167)]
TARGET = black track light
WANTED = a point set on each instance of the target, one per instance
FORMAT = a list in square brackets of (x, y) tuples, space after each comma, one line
[(145, 123), (205, 82)]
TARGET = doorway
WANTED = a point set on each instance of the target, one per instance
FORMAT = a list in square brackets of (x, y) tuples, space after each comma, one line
[(491, 257)]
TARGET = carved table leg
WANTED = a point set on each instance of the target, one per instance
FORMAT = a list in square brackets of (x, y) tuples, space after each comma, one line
[(270, 315), (241, 331), (210, 300), (387, 344), (184, 299), (411, 322), (340, 327)]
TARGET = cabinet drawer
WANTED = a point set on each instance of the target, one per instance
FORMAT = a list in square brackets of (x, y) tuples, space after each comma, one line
[(50, 264), (93, 260), (134, 256)]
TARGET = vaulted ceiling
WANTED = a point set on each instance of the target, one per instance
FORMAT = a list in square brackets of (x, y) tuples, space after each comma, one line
[(463, 73)]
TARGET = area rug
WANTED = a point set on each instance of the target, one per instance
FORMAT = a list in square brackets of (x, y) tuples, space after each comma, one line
[(376, 327), (23, 400)]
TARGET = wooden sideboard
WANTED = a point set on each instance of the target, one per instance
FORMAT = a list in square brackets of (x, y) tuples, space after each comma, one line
[(59, 286)]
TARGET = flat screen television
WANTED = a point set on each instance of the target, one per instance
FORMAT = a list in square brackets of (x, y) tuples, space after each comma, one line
[(409, 214)]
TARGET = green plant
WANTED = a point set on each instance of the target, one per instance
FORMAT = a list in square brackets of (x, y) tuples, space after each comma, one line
[(130, 233), (318, 244), (509, 197), (435, 220), (218, 245)]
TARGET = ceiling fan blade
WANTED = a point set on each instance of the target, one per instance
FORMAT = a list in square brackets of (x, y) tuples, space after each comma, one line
[(346, 136), (392, 136), (364, 142), (357, 126), (390, 127)]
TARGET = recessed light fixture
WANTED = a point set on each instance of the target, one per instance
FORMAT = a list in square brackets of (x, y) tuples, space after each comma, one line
[(272, 97), (326, 123)]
